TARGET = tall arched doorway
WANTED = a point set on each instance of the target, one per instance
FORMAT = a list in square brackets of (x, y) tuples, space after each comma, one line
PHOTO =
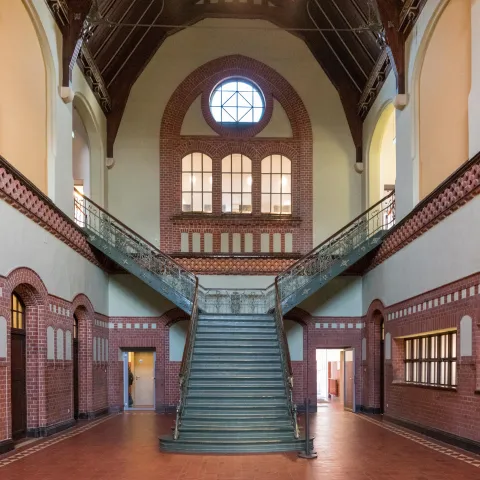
[(382, 365), (382, 157), (76, 387), (18, 368)]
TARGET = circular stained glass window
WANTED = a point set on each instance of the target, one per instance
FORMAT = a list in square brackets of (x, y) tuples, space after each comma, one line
[(237, 102)]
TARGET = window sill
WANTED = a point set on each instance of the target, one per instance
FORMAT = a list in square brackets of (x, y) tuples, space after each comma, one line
[(236, 217), (420, 385)]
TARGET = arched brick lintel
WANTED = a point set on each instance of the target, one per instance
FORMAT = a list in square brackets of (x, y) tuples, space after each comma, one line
[(207, 75)]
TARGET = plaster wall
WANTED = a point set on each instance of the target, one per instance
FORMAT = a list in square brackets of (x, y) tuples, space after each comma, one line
[(134, 181), (64, 272)]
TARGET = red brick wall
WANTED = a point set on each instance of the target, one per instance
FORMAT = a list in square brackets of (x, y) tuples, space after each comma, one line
[(174, 146)]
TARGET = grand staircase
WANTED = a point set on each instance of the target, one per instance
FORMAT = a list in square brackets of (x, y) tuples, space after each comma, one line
[(236, 378), (236, 399)]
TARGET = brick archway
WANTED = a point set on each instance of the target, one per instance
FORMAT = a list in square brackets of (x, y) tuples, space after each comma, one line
[(83, 309), (174, 146), (372, 379), (33, 293)]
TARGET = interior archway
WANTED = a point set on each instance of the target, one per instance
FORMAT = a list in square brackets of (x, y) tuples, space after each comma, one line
[(382, 158)]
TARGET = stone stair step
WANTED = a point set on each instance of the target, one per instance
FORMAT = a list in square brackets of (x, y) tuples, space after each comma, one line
[(235, 383), (234, 323), (225, 317), (234, 422), (235, 402), (247, 357), (232, 367), (237, 350), (237, 336), (240, 376), (244, 329), (235, 434), (234, 394), (237, 343)]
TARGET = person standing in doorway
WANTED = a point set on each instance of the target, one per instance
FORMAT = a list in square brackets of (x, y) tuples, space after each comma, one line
[(130, 383)]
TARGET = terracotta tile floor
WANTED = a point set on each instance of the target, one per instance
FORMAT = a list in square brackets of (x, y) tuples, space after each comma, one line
[(349, 447)]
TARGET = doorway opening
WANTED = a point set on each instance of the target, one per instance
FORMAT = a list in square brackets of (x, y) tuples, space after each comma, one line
[(18, 369), (382, 367), (335, 377), (76, 388), (139, 379)]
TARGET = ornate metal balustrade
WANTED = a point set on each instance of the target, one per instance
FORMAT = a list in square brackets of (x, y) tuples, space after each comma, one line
[(236, 300), (336, 254), (135, 254)]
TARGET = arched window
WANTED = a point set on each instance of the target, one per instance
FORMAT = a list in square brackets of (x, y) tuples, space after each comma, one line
[(277, 185), (197, 183), (236, 184), (237, 102), (18, 313), (75, 327)]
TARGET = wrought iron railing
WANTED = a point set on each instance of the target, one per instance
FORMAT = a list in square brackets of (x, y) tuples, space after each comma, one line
[(370, 225), (237, 300), (129, 249), (184, 375), (286, 361)]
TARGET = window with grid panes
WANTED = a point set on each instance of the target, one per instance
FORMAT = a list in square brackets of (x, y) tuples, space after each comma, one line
[(236, 184), (18, 313), (432, 359), (197, 183), (277, 185)]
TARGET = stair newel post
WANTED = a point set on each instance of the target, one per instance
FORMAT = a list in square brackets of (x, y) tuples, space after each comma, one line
[(307, 453)]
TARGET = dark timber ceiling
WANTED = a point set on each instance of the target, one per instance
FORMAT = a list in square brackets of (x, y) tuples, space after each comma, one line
[(356, 42)]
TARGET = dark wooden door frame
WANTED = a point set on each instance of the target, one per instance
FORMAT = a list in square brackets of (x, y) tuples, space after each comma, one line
[(18, 384)]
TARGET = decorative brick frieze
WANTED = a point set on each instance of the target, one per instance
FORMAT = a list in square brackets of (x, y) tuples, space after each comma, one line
[(174, 146), (235, 265), (21, 194), (450, 196)]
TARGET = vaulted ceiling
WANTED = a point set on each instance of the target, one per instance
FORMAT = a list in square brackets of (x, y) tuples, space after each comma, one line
[(356, 42)]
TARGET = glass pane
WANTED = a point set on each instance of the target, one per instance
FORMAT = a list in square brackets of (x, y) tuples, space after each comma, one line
[(408, 346), (266, 183), (433, 372), (442, 346), (415, 348), (276, 164), (286, 184), (207, 202), (442, 373), (266, 203), (236, 202), (207, 163), (454, 373), (424, 347), (266, 165), (186, 202), (247, 182), (236, 182), (245, 115), (187, 163), (244, 99), (197, 162), (276, 183), (196, 182), (226, 182), (14, 318), (226, 203), (257, 114), (286, 204), (454, 345), (216, 99), (247, 203), (186, 182), (216, 113), (207, 182), (197, 202), (227, 164), (286, 165), (236, 163), (433, 347), (276, 203), (258, 102), (247, 164)]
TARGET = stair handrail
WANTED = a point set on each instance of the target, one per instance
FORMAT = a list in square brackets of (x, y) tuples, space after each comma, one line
[(336, 234), (98, 221), (184, 374), (287, 369)]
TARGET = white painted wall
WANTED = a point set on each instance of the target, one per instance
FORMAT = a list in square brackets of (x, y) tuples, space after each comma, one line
[(341, 297), (130, 297), (177, 336), (134, 181), (294, 331), (235, 281), (447, 252), (64, 272)]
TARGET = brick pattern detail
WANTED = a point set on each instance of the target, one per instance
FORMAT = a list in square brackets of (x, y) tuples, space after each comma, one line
[(174, 146), (450, 198), (24, 197), (235, 265), (435, 310)]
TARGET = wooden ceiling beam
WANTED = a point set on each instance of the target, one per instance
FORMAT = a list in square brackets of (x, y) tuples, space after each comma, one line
[(72, 36), (390, 15)]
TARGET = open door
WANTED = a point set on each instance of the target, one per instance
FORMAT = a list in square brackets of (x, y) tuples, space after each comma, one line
[(349, 379)]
